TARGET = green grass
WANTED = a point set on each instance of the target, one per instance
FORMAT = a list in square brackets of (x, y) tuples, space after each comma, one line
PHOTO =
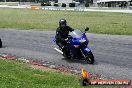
[(16, 75), (98, 22), (19, 75)]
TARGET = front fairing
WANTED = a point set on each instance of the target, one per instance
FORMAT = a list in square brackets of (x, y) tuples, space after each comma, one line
[(84, 36), (79, 38), (79, 43)]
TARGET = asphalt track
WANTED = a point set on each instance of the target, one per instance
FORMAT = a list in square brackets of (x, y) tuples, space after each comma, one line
[(113, 53)]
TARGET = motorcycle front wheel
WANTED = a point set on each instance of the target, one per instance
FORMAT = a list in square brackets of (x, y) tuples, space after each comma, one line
[(89, 58)]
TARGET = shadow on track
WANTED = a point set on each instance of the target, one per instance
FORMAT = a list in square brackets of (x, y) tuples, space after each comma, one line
[(83, 62)]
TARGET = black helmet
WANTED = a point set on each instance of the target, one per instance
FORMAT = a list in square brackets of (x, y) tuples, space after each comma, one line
[(62, 23)]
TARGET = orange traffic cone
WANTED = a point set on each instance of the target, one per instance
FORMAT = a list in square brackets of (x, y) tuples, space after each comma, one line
[(84, 79)]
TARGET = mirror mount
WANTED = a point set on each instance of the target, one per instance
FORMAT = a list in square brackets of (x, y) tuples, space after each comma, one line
[(87, 29)]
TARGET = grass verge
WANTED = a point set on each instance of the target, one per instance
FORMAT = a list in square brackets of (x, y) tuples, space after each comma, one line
[(99, 22), (20, 75)]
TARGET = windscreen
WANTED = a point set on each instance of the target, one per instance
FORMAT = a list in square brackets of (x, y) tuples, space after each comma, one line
[(76, 34)]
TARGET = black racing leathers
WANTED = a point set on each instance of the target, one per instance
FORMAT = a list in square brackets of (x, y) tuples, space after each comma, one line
[(61, 35)]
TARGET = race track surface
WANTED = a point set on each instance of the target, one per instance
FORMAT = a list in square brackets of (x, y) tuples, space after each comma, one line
[(113, 53)]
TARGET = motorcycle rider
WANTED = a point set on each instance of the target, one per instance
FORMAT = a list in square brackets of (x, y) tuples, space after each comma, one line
[(62, 35)]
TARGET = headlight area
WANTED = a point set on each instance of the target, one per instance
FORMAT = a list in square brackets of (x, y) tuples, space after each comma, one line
[(82, 40), (77, 46)]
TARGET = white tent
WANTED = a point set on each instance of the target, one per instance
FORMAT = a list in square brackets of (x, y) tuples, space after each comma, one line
[(65, 1)]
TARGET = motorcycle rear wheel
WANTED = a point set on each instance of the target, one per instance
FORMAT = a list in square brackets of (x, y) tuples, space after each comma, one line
[(0, 43)]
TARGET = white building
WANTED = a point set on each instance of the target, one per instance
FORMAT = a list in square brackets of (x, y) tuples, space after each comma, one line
[(114, 3), (65, 1), (69, 1)]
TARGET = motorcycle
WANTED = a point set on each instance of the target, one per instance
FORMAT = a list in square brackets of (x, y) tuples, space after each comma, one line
[(78, 46)]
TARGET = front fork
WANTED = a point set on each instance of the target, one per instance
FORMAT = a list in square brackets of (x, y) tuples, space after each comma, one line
[(85, 51)]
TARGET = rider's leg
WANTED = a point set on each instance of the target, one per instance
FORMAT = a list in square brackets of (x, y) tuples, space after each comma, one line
[(66, 50), (63, 46), (59, 44)]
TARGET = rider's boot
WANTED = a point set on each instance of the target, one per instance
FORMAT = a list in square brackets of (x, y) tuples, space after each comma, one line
[(65, 52)]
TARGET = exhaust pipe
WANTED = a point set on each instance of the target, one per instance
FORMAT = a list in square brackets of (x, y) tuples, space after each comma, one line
[(58, 50)]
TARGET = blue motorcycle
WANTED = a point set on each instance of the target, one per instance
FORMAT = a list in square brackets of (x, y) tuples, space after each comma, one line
[(78, 46)]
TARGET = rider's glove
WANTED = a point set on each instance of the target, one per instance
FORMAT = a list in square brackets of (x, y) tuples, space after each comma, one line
[(66, 39)]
